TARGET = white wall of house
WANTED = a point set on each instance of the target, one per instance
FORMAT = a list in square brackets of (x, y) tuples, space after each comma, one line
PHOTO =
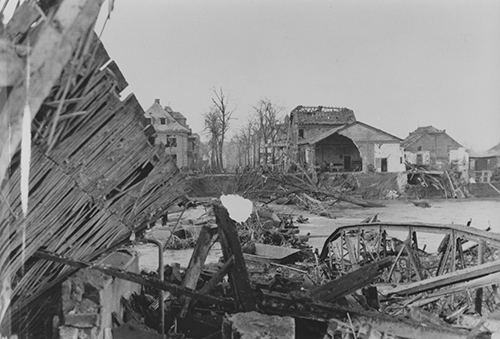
[(180, 150), (411, 157), (394, 155), (460, 158)]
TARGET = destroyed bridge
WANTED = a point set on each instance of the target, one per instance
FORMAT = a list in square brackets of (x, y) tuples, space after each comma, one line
[(80, 178)]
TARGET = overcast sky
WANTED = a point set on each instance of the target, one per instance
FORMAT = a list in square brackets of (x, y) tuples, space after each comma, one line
[(397, 64)]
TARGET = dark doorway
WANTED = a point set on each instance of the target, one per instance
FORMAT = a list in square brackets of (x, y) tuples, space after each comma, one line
[(383, 165), (419, 159), (347, 162)]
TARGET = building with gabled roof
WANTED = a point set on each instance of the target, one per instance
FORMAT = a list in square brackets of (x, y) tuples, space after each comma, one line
[(178, 116), (430, 146), (174, 133), (485, 166), (323, 115), (332, 137)]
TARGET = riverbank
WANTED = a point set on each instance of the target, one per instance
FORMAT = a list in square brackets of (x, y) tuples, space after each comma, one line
[(483, 212)]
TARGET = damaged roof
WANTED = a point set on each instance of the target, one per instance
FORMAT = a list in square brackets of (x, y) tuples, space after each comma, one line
[(172, 125), (491, 153), (317, 138), (417, 134), (322, 115), (157, 111), (177, 115)]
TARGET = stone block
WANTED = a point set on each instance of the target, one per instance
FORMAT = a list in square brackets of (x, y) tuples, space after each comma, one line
[(66, 332), (82, 320), (254, 325), (88, 333)]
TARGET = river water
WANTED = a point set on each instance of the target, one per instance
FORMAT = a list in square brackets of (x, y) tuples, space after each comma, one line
[(484, 213)]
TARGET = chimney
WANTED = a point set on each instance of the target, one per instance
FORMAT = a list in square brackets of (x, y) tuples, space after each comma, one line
[(157, 101)]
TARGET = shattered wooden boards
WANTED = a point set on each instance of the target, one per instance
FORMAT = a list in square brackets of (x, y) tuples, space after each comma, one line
[(350, 282), (94, 181), (238, 274), (49, 54)]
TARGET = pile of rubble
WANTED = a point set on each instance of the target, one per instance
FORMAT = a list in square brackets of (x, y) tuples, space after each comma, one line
[(180, 230), (365, 283), (426, 183)]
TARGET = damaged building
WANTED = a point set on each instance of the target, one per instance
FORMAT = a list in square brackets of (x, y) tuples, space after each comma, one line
[(485, 166), (332, 136), (173, 132), (95, 186), (430, 146)]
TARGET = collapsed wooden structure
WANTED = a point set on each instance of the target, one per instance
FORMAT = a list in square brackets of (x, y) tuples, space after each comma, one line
[(95, 180), (464, 261), (318, 305)]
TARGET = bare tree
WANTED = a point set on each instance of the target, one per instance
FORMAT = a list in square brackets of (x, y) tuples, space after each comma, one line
[(260, 132), (213, 129), (221, 110), (268, 126)]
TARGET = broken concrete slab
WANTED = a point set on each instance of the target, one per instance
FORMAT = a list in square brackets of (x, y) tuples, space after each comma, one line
[(89, 297), (254, 325)]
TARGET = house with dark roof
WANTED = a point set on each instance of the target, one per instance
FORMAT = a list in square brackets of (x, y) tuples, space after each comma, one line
[(173, 132), (332, 137), (485, 166), (429, 146)]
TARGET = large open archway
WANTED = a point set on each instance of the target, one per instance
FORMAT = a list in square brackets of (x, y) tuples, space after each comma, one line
[(339, 153)]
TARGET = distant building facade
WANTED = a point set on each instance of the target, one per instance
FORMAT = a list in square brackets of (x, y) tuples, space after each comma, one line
[(429, 146), (330, 136), (485, 166), (174, 133)]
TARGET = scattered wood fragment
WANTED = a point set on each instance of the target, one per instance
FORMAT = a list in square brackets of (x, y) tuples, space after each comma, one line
[(200, 253), (446, 279), (350, 282), (137, 278), (238, 275)]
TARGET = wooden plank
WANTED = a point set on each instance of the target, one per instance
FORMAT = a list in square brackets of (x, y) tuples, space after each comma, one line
[(200, 253), (217, 277), (478, 301), (238, 275), (392, 326), (134, 277), (486, 280), (351, 250), (413, 261), (395, 262), (121, 82), (350, 282), (101, 56), (446, 279), (22, 19), (48, 56), (444, 249)]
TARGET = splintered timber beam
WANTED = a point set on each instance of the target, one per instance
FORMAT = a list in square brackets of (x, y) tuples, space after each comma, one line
[(217, 277), (200, 253), (281, 304), (48, 56), (61, 277), (446, 279), (485, 281), (137, 278), (284, 305), (238, 275), (350, 282)]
